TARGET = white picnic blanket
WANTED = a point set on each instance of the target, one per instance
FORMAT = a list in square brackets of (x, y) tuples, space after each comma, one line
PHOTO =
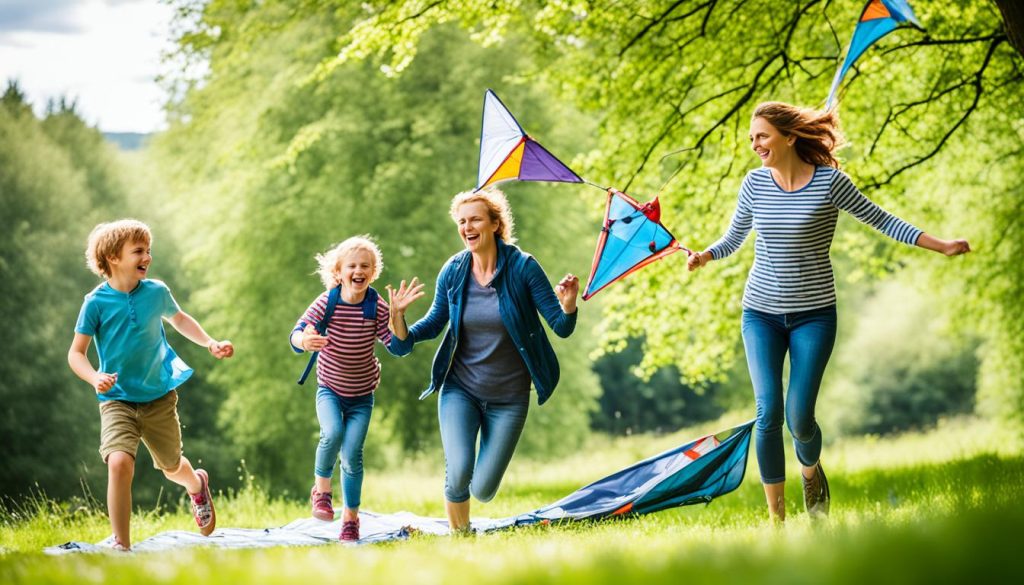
[(302, 532)]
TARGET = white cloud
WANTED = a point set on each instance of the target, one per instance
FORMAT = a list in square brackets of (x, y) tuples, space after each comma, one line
[(38, 16), (104, 53)]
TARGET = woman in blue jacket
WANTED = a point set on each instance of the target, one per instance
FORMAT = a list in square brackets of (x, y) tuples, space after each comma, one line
[(489, 296)]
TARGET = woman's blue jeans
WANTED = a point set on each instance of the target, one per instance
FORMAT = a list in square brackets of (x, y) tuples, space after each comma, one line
[(343, 425), (463, 417), (808, 336)]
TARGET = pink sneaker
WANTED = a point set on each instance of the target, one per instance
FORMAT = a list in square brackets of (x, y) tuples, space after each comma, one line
[(119, 547), (349, 531), (202, 505), (321, 504)]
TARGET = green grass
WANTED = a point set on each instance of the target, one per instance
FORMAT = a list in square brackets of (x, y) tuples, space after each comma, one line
[(941, 506)]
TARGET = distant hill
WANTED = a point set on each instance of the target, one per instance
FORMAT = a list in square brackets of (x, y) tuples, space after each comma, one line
[(127, 140)]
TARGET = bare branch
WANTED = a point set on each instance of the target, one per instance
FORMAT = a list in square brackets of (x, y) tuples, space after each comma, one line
[(654, 22), (978, 90), (930, 42), (425, 10)]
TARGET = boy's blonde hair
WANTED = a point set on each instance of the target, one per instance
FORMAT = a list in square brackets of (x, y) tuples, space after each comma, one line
[(497, 209), (107, 240), (330, 261)]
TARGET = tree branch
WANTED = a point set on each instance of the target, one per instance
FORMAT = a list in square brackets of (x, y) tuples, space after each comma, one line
[(930, 42), (978, 90), (654, 22)]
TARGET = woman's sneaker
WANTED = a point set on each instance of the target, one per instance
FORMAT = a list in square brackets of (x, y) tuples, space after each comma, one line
[(202, 505), (321, 504), (816, 494), (349, 531)]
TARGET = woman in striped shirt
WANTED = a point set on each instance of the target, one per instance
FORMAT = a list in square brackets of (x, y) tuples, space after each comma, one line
[(347, 372), (789, 305)]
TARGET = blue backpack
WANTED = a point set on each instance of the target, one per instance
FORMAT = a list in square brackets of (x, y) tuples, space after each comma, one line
[(369, 312)]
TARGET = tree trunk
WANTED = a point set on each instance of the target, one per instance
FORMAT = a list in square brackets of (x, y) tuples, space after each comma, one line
[(1013, 22)]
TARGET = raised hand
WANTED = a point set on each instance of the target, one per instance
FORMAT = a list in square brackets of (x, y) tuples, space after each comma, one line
[(104, 382), (566, 290), (399, 300), (311, 340), (221, 349)]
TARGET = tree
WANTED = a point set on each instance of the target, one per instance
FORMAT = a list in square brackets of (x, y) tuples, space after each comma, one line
[(671, 83)]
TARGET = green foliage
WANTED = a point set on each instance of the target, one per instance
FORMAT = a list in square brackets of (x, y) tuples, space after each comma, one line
[(899, 367), (932, 120), (630, 404), (56, 181)]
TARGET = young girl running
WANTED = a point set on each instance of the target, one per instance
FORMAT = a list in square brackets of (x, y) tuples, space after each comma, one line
[(347, 371)]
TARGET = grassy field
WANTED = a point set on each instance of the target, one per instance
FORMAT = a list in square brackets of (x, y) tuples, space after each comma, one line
[(938, 507)]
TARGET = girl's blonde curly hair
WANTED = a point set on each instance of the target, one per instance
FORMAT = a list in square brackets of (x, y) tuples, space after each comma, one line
[(330, 261)]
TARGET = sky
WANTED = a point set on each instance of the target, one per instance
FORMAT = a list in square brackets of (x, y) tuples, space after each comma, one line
[(105, 53)]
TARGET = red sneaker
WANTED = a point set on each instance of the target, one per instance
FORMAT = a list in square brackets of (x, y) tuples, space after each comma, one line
[(321, 504), (349, 531), (202, 505)]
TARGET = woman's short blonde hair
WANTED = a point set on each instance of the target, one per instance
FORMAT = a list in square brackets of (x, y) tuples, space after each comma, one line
[(497, 209), (330, 261), (107, 240)]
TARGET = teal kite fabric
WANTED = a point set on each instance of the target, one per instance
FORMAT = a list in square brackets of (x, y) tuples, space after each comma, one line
[(879, 18)]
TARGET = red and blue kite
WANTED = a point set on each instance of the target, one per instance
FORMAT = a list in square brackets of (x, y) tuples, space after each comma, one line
[(632, 237), (507, 152), (879, 18)]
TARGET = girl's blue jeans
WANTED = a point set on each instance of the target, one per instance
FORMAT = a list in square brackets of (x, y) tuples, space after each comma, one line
[(808, 336), (343, 425), (463, 417)]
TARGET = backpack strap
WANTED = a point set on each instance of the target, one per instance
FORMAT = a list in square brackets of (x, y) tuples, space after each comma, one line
[(370, 304), (321, 327)]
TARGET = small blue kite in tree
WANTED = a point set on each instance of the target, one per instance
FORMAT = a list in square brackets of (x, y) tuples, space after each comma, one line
[(879, 18)]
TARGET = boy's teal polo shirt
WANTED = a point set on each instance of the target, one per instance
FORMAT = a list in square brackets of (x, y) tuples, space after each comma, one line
[(130, 340)]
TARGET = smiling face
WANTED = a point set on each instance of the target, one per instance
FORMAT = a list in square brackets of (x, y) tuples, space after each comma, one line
[(132, 264), (476, 228), (356, 270), (769, 144)]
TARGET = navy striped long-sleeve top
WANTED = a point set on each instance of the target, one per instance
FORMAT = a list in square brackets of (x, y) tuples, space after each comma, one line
[(792, 271)]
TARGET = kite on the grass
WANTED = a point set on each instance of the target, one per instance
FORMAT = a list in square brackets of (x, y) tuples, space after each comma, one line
[(632, 237), (508, 153), (879, 18), (694, 473)]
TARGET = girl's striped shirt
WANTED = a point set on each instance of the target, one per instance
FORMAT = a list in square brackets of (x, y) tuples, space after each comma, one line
[(792, 271), (347, 365)]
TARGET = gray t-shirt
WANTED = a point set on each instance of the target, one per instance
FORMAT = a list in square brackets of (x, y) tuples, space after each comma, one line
[(486, 362)]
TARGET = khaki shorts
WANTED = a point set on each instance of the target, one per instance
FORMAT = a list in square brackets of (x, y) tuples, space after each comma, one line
[(123, 424)]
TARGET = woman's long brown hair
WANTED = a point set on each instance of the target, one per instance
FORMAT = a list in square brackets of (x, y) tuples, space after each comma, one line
[(817, 132)]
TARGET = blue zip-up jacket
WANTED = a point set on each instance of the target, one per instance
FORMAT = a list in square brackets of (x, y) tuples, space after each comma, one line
[(523, 291)]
